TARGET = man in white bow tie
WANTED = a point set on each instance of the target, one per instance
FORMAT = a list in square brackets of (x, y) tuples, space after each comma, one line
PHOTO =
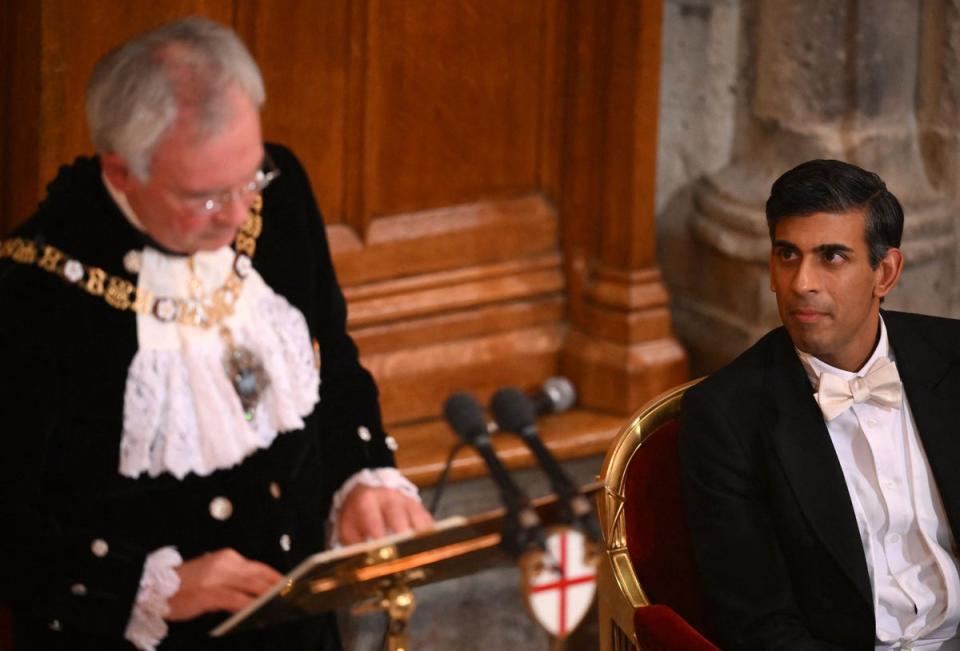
[(821, 491)]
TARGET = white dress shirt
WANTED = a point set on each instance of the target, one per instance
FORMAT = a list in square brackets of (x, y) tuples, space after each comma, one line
[(909, 548)]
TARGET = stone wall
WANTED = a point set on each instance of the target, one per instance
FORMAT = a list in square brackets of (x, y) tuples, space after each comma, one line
[(749, 89)]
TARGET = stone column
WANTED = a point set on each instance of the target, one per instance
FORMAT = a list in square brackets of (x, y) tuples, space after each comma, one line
[(938, 111), (938, 97), (832, 79)]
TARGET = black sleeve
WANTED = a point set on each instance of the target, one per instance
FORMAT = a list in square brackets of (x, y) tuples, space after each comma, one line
[(742, 570), (53, 572), (350, 423)]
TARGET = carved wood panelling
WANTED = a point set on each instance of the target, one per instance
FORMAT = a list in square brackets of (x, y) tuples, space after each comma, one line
[(304, 51), (435, 76), (486, 169)]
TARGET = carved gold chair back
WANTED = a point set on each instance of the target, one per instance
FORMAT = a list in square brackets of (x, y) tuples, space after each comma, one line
[(648, 595)]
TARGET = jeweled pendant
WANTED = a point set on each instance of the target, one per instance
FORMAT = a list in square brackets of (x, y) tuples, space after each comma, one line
[(247, 375)]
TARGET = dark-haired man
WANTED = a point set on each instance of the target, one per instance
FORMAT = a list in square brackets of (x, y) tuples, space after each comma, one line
[(819, 466)]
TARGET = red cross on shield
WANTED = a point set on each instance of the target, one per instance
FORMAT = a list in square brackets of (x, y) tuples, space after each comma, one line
[(560, 594)]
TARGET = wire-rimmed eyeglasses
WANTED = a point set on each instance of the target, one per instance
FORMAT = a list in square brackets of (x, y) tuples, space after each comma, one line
[(214, 203)]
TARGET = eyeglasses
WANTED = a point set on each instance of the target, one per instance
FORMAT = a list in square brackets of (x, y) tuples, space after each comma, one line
[(212, 204)]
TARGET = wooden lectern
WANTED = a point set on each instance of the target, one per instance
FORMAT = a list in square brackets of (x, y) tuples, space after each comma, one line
[(380, 575)]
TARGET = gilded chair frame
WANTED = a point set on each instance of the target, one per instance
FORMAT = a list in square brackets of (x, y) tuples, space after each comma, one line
[(619, 592)]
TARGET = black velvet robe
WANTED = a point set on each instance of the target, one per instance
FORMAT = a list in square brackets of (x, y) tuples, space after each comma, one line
[(64, 356)]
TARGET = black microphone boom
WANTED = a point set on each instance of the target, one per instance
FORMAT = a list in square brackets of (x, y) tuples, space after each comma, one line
[(467, 419), (515, 412)]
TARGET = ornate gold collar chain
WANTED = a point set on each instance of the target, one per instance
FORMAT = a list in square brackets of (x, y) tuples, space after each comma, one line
[(201, 311)]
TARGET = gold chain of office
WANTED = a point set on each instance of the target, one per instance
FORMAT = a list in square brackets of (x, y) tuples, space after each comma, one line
[(119, 293)]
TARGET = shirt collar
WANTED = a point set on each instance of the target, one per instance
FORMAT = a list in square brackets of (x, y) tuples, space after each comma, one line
[(814, 367), (120, 199)]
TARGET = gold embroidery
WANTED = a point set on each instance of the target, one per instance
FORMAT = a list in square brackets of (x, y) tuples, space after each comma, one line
[(121, 294), (143, 303), (254, 225), (246, 244), (95, 279), (51, 258), (24, 251)]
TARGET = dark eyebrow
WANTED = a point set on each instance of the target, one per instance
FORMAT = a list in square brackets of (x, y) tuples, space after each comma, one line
[(783, 244), (833, 248), (822, 248)]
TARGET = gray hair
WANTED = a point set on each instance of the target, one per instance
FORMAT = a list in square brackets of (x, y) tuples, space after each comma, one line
[(137, 91)]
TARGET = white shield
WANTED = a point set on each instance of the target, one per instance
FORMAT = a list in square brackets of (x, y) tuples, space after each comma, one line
[(560, 593)]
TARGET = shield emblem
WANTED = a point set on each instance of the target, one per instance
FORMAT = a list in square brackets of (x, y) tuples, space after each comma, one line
[(559, 591)]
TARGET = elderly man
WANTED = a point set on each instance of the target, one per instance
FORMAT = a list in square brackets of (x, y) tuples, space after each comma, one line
[(821, 491), (183, 409)]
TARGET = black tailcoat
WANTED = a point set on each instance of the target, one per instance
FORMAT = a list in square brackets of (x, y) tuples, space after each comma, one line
[(771, 520), (64, 356)]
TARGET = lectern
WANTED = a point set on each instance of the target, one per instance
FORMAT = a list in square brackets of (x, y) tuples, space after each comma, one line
[(380, 575)]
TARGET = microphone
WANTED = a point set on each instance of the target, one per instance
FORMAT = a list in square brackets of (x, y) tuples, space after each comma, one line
[(516, 412), (523, 531), (556, 394)]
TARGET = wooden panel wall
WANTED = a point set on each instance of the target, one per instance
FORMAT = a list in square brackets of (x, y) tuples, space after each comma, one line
[(486, 168)]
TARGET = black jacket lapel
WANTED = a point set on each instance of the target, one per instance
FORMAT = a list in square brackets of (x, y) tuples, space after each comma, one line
[(932, 385), (801, 441)]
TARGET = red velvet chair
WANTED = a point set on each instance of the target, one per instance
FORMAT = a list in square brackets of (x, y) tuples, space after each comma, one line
[(648, 592), (6, 629)]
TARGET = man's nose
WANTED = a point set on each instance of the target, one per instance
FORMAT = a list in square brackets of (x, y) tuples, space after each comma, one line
[(234, 212), (806, 279)]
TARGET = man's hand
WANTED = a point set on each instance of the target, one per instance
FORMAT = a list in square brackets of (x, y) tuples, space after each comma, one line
[(373, 512), (220, 580)]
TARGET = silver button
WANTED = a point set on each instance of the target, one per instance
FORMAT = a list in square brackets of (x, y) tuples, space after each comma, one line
[(78, 589), (221, 508), (364, 434), (391, 443), (54, 625), (275, 490), (99, 547), (285, 542)]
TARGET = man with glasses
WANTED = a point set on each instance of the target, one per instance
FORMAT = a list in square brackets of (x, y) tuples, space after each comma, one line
[(185, 416)]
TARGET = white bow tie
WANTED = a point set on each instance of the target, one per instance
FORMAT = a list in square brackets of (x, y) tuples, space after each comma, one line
[(881, 386)]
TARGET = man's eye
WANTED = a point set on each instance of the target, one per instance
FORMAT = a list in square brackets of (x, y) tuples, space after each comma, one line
[(786, 254), (834, 257)]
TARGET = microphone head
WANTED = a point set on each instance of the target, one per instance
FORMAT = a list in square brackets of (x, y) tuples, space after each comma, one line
[(513, 410), (465, 416), (559, 390)]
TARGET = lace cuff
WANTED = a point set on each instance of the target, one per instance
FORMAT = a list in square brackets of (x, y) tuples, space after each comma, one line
[(377, 477), (147, 628)]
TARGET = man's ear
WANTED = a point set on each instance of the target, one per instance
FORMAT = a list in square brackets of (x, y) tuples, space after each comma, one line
[(888, 272), (117, 171)]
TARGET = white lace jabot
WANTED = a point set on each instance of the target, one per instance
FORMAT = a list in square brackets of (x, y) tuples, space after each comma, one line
[(181, 413)]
